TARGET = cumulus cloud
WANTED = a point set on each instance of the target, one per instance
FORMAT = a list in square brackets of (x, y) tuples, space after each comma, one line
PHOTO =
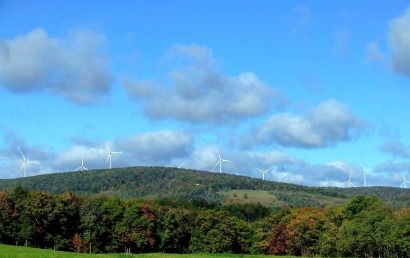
[(75, 68), (197, 92), (329, 123), (399, 40), (157, 147)]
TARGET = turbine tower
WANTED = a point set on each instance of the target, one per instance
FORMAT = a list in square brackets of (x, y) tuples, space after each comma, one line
[(365, 170), (349, 182), (110, 154), (220, 162), (81, 168), (25, 162), (263, 172), (404, 184)]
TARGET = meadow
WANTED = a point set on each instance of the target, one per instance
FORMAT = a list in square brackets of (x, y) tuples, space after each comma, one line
[(8, 251)]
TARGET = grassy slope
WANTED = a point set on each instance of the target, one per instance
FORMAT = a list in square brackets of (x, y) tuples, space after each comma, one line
[(7, 251), (269, 199)]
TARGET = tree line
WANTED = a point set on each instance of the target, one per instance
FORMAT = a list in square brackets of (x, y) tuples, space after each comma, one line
[(363, 227)]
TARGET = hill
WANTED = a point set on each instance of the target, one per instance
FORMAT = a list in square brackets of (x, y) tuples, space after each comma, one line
[(191, 185)]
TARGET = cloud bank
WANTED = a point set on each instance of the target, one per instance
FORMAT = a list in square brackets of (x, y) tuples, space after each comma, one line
[(76, 68), (327, 124), (199, 93)]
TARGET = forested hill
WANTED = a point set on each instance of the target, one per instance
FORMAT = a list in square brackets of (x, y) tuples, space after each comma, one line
[(188, 185)]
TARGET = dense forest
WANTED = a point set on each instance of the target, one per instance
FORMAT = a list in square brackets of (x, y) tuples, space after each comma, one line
[(362, 227), (188, 185)]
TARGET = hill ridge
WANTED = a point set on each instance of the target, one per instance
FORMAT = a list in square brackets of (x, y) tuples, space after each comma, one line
[(189, 184)]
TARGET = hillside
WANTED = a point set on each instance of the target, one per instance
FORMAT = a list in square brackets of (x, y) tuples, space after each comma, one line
[(188, 185)]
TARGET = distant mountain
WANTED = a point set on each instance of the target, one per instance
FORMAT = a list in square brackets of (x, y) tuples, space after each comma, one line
[(189, 185)]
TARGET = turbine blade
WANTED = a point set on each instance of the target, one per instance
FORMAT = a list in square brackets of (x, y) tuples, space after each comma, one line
[(217, 163), (22, 154), (226, 160), (259, 169), (218, 154), (22, 167), (108, 158), (106, 146)]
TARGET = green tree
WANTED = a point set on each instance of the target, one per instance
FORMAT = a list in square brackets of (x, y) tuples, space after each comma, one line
[(91, 224), (364, 234), (112, 210), (174, 229), (137, 227), (218, 232)]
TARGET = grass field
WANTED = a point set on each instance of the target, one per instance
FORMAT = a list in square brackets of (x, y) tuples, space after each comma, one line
[(252, 196), (7, 251), (267, 199)]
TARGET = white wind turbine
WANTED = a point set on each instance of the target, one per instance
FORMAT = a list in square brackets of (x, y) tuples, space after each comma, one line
[(365, 170), (263, 172), (110, 154), (404, 184), (349, 182), (25, 162), (81, 168), (220, 162)]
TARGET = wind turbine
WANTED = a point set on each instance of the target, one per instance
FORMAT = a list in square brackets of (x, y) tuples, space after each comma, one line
[(110, 154), (349, 182), (263, 172), (81, 168), (25, 162), (404, 184), (220, 162), (365, 170)]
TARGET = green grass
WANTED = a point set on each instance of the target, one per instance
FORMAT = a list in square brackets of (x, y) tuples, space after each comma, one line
[(253, 196), (8, 251)]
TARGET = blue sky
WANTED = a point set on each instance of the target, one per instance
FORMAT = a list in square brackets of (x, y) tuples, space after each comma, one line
[(314, 89)]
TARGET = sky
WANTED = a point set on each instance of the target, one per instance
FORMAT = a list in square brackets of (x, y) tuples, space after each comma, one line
[(314, 91)]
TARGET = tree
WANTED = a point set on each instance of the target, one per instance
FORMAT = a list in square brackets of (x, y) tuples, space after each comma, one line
[(304, 230), (174, 229), (364, 234), (112, 211), (278, 243), (91, 223), (137, 227), (218, 232)]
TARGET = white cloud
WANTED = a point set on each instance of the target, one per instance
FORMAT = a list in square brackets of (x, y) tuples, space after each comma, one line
[(399, 39), (199, 93), (329, 123), (76, 68), (156, 147)]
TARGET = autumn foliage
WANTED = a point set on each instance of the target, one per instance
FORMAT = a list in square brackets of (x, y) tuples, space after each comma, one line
[(363, 227)]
